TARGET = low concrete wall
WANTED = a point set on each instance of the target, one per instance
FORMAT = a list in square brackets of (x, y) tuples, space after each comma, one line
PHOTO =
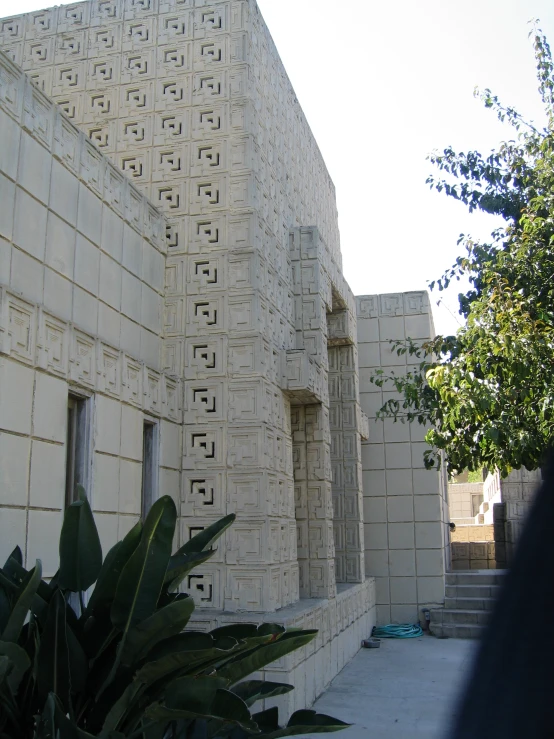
[(473, 548), (342, 623)]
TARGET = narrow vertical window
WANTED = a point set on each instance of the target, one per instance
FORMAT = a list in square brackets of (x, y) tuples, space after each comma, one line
[(149, 466), (78, 436)]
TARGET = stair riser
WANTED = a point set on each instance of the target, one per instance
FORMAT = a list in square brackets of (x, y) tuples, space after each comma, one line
[(472, 591), (474, 578), (452, 631), (478, 618), (469, 604)]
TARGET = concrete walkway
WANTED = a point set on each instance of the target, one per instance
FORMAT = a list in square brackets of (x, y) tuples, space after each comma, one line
[(406, 689)]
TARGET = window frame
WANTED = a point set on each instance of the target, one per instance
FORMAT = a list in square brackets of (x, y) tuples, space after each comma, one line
[(149, 489)]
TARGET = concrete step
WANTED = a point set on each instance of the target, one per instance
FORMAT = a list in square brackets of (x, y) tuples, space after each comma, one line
[(475, 577), (470, 604), (443, 616), (456, 631), (472, 591)]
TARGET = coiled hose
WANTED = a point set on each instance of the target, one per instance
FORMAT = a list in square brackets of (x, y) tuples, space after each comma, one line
[(397, 631)]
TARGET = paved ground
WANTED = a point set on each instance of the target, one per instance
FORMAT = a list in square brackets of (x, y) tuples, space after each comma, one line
[(406, 689)]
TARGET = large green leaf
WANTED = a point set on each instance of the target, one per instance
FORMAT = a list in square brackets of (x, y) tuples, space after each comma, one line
[(164, 623), (22, 606), (254, 690), (264, 655), (247, 631), (308, 722), (54, 724), (115, 561), (181, 564), (17, 574), (118, 712), (5, 608), (16, 555), (80, 549), (20, 661), (205, 538), (142, 576), (78, 662), (53, 671), (193, 698)]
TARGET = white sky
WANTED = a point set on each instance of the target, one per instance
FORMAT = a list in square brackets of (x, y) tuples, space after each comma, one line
[(384, 83)]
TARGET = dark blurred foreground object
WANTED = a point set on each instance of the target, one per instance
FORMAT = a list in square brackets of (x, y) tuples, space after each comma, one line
[(509, 694)]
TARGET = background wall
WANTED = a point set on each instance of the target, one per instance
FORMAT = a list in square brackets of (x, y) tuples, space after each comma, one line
[(81, 280), (405, 505)]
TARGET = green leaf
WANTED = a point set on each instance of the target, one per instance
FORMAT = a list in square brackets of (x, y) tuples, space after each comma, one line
[(264, 655), (141, 580), (20, 663), (22, 606), (181, 564), (308, 722), (193, 698), (119, 710), (53, 672), (80, 549), (205, 538), (254, 690), (164, 623), (142, 577), (16, 555), (116, 559)]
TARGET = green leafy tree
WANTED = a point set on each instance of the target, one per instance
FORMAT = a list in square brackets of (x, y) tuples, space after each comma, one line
[(121, 666), (488, 391)]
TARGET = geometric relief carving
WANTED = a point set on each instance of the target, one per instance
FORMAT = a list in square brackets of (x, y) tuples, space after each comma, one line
[(174, 316), (245, 447), (208, 22), (21, 328), (202, 446), (205, 314), (109, 370), (53, 345), (207, 231), (207, 156), (173, 61), (202, 493), (248, 543), (391, 305), (245, 590), (170, 162), (247, 493), (171, 93), (82, 359), (132, 381), (177, 27), (204, 403), (137, 65), (204, 274), (40, 23), (204, 589), (204, 358), (103, 72), (208, 120)]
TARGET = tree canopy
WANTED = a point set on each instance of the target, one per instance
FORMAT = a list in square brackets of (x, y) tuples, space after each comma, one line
[(488, 391)]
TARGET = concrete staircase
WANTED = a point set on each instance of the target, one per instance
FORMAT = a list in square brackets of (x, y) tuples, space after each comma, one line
[(469, 599)]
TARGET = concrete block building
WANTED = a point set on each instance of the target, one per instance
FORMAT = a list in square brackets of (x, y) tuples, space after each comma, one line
[(174, 320)]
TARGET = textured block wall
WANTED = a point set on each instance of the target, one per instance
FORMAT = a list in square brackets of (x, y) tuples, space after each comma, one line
[(81, 278), (190, 100), (405, 506)]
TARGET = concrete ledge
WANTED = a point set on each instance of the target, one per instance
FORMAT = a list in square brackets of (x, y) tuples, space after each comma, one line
[(342, 623)]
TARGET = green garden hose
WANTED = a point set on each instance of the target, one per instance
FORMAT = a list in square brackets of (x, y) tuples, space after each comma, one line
[(397, 631)]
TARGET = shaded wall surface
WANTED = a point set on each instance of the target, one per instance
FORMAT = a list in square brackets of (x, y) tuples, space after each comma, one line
[(405, 506)]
